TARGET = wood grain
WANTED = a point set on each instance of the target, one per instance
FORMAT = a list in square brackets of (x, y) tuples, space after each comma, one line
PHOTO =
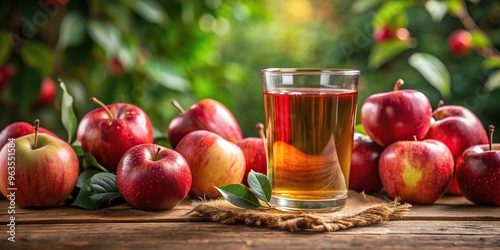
[(452, 222)]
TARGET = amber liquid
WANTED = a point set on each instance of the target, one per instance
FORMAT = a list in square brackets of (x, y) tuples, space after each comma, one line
[(309, 142)]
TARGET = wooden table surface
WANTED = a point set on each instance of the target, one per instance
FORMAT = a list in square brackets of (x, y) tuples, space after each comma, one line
[(452, 222)]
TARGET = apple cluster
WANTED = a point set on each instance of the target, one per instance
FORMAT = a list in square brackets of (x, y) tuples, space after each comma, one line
[(208, 150), (417, 154)]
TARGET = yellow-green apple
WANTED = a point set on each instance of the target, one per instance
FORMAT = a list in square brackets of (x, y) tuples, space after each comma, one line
[(396, 116), (207, 114), (460, 42), (152, 177), (109, 131), (458, 128), (213, 161), (37, 170), (416, 171), (18, 129), (478, 173), (255, 156), (364, 165)]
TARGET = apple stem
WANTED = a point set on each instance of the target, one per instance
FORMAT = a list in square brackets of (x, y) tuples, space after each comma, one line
[(37, 125), (491, 129), (157, 154), (398, 84), (177, 106), (95, 100), (440, 103), (415, 138)]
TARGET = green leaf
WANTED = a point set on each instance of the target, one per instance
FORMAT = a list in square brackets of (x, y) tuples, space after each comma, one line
[(391, 13), (150, 10), (493, 81), (480, 40), (437, 9), (106, 35), (98, 191), (454, 5), (90, 161), (433, 70), (4, 46), (166, 74), (382, 53), (260, 185), (239, 195), (72, 30), (78, 150), (85, 176), (68, 117), (360, 129), (37, 55), (491, 63)]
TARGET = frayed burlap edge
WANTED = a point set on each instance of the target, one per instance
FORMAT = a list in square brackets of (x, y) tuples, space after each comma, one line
[(376, 211)]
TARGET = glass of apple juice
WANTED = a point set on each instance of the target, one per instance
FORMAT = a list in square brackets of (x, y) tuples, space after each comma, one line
[(309, 120)]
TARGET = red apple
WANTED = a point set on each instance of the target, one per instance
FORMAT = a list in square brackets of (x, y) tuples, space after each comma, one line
[(208, 115), (18, 129), (37, 170), (110, 131), (458, 128), (5, 74), (478, 173), (255, 156), (418, 172), (459, 42), (364, 165), (213, 161), (382, 34), (115, 66), (396, 116), (152, 177), (48, 92)]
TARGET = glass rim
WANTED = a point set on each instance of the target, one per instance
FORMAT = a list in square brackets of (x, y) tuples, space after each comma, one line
[(311, 71)]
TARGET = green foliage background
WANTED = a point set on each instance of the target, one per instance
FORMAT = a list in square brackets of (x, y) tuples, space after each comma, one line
[(195, 49)]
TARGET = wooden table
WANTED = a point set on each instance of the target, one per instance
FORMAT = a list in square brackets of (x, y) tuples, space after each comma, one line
[(452, 222)]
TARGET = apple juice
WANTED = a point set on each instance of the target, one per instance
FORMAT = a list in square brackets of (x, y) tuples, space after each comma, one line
[(309, 142)]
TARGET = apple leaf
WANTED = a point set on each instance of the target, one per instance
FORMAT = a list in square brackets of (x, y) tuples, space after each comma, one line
[(433, 70), (384, 52), (90, 161), (37, 55), (72, 30), (85, 176), (166, 74), (106, 34), (491, 63), (150, 10), (78, 150), (391, 12), (260, 185), (98, 191), (493, 81), (239, 195), (437, 9), (480, 40), (68, 117)]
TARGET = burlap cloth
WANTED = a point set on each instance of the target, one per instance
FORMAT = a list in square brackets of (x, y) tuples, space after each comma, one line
[(360, 210)]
